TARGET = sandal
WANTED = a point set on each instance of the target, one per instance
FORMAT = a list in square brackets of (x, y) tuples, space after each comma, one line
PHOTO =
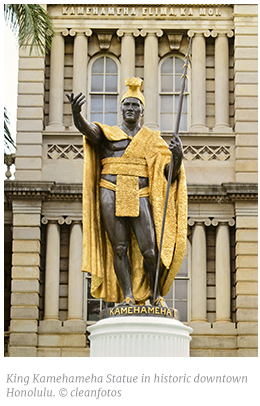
[(160, 302), (128, 301)]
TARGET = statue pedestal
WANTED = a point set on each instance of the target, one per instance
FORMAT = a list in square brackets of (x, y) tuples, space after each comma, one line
[(139, 337)]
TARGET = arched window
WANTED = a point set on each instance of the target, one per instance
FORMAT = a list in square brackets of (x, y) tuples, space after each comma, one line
[(178, 296), (104, 91), (170, 87)]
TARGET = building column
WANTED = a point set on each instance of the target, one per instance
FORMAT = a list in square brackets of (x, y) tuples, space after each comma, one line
[(52, 272), (223, 275), (75, 285), (222, 81), (151, 77), (198, 273), (80, 64), (57, 337), (198, 85), (56, 83), (127, 55)]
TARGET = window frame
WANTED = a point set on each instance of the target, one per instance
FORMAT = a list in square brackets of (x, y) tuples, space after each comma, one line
[(173, 93), (102, 303), (91, 93)]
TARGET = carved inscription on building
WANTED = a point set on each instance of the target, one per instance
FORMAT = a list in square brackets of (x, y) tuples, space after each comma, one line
[(144, 12)]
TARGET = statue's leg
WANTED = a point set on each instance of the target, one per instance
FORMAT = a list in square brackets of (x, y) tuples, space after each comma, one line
[(143, 227), (116, 229)]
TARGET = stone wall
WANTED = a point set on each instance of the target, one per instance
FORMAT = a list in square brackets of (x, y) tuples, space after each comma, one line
[(246, 91), (31, 78), (25, 278), (247, 279), (246, 127)]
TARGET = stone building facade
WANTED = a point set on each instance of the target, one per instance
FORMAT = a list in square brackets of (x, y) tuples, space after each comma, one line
[(47, 300)]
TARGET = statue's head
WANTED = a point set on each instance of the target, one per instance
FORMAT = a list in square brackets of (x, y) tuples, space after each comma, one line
[(132, 102), (132, 110), (135, 89)]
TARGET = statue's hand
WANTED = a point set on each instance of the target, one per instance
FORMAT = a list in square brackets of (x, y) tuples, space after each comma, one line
[(175, 147), (76, 102)]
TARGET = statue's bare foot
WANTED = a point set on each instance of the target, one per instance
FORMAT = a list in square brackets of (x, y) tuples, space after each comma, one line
[(160, 302), (128, 301)]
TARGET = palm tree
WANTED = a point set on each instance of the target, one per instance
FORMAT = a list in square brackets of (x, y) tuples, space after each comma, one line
[(7, 135), (33, 27), (9, 159)]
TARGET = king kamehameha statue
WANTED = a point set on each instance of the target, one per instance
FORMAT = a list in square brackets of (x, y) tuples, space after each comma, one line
[(124, 186)]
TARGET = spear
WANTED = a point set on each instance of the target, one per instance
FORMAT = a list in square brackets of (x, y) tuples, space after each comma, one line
[(177, 126)]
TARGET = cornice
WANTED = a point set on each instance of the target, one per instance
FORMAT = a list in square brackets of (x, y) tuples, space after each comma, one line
[(241, 191), (51, 191), (44, 191), (147, 5), (224, 193)]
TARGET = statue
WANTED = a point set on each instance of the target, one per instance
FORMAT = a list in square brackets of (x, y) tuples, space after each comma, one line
[(124, 186)]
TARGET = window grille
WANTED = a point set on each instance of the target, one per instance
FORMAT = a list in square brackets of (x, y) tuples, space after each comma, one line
[(178, 296)]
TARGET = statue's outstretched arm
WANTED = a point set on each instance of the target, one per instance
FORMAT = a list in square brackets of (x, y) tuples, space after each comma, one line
[(90, 130)]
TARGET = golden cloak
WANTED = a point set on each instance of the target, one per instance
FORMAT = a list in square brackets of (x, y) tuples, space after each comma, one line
[(97, 256)]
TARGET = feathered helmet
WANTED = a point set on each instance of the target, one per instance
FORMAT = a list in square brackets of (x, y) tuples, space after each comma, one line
[(135, 89)]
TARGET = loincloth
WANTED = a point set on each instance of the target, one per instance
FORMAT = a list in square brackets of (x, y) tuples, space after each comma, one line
[(127, 189)]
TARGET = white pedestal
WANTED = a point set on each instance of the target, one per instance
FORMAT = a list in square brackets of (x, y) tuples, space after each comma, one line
[(139, 337)]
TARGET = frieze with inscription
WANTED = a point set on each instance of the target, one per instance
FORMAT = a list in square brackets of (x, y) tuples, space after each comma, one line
[(142, 12)]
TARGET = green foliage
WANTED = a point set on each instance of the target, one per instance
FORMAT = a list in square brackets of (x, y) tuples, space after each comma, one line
[(33, 27), (31, 24), (8, 140)]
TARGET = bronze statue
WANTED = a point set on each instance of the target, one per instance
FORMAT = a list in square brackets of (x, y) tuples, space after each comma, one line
[(124, 185)]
